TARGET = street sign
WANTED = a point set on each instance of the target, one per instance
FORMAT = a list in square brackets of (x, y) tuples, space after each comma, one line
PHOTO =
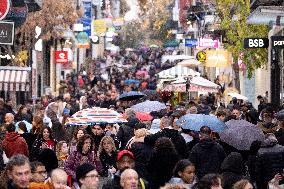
[(277, 42), (201, 56), (6, 33), (4, 8), (256, 43), (61, 57), (191, 42), (208, 43)]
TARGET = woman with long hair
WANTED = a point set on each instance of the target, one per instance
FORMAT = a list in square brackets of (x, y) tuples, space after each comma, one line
[(37, 125), (44, 140), (83, 154), (162, 162), (107, 153), (76, 136)]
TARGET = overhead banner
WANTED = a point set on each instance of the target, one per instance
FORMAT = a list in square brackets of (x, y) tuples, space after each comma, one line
[(87, 25), (6, 33), (217, 58), (100, 26), (83, 40)]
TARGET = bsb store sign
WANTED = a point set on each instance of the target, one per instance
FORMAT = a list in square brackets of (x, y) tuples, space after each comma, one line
[(276, 42), (61, 57)]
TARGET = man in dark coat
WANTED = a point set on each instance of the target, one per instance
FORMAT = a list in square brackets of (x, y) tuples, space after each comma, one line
[(174, 135), (269, 161), (207, 155)]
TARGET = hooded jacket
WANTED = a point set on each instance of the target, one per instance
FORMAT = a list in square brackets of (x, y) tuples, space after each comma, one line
[(232, 170), (207, 157), (14, 144)]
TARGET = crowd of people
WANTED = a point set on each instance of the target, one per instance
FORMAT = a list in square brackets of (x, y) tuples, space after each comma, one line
[(40, 151)]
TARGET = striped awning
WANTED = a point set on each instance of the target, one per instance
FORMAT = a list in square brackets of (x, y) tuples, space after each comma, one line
[(14, 80)]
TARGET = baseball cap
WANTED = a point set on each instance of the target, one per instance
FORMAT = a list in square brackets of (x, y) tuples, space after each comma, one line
[(124, 153)]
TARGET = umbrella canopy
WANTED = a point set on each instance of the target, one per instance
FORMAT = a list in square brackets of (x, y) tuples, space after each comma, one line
[(190, 62), (172, 58), (131, 81), (154, 46), (95, 115), (142, 116), (196, 121), (131, 95), (241, 134), (238, 96), (28, 125), (142, 73), (149, 106)]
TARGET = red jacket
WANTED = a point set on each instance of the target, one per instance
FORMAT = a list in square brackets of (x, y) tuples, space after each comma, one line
[(14, 144)]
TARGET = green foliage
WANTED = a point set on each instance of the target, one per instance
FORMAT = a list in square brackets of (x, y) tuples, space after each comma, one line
[(233, 14)]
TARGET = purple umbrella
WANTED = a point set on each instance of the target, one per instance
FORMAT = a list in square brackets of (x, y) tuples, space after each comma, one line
[(240, 134)]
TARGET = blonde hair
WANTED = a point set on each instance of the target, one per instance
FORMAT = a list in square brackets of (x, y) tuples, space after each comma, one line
[(141, 133), (58, 148), (108, 139)]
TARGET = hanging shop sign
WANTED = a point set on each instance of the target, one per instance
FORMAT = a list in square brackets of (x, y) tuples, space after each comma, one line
[(6, 33), (256, 43), (4, 8), (277, 42), (87, 25), (191, 42), (217, 58), (201, 56), (208, 43), (83, 40), (61, 57), (100, 26)]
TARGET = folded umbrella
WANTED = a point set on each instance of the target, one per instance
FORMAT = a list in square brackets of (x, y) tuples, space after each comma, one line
[(196, 121), (240, 134), (149, 106), (131, 95)]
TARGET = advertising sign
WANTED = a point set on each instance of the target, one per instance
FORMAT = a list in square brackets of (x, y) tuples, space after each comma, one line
[(256, 43), (87, 6), (100, 26), (87, 25), (277, 42), (208, 43), (191, 42), (18, 12), (217, 58), (4, 8), (83, 40), (61, 57), (6, 33)]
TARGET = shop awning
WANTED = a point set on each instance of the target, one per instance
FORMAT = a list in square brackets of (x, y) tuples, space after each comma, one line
[(14, 80)]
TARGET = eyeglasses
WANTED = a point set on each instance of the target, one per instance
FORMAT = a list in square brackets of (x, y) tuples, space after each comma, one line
[(92, 176)]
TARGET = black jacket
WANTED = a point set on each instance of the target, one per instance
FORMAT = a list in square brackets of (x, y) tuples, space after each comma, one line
[(232, 170), (142, 153), (175, 137), (267, 166), (207, 157), (107, 162)]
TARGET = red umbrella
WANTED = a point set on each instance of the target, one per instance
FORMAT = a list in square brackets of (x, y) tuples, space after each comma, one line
[(143, 116)]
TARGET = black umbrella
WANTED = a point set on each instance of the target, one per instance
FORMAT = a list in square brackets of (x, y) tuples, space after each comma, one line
[(132, 95)]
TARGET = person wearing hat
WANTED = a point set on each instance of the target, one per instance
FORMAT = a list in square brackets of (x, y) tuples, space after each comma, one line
[(124, 160), (87, 177)]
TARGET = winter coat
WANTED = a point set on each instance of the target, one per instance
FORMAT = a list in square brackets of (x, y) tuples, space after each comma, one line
[(14, 144), (107, 162), (75, 160), (175, 137), (177, 180), (125, 133), (207, 157), (161, 166), (269, 161), (232, 170), (142, 153)]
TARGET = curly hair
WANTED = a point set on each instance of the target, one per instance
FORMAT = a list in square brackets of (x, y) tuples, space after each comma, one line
[(164, 145), (76, 132), (59, 146), (81, 142), (108, 139), (49, 130)]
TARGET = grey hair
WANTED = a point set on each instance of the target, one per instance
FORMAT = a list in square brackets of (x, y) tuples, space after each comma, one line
[(17, 160), (130, 113), (166, 121)]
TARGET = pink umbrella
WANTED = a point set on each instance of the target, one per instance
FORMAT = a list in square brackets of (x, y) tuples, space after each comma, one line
[(142, 73), (143, 116)]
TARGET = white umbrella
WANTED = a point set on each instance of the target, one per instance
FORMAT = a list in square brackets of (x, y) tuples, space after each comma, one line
[(177, 70), (189, 62), (238, 96)]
